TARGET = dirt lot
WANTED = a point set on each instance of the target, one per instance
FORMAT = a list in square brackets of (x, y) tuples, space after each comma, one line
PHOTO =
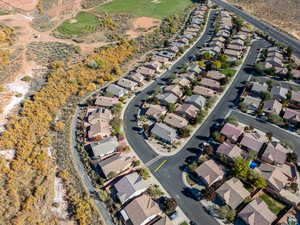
[(142, 25), (26, 5), (283, 14)]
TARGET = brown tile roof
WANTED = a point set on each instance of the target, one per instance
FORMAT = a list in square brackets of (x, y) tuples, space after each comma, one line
[(233, 192), (296, 73), (145, 70), (235, 48), (257, 213), (209, 171), (295, 96), (175, 89), (141, 209), (275, 153), (101, 114), (184, 82), (189, 110), (231, 151), (100, 128), (204, 91), (291, 115), (210, 83), (231, 131), (232, 53), (175, 121), (274, 176), (253, 141), (216, 75), (106, 101), (156, 111), (272, 106)]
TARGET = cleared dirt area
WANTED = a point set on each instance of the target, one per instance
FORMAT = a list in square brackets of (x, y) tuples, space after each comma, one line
[(26, 5), (142, 25), (282, 14)]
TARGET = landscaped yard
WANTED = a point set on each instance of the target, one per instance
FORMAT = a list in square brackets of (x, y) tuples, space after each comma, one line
[(273, 204), (228, 72), (83, 23), (149, 8)]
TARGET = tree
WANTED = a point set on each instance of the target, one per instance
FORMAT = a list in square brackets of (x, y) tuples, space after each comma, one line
[(259, 68), (266, 95), (207, 55), (240, 168), (216, 64), (209, 194), (144, 173), (170, 205), (154, 191), (223, 58), (243, 107), (292, 157), (201, 64), (232, 120), (227, 212), (184, 132), (171, 107), (188, 92), (289, 51), (274, 118)]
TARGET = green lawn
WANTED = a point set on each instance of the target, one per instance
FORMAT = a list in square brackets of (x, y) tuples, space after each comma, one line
[(228, 72), (83, 23), (2, 12), (149, 8), (273, 204)]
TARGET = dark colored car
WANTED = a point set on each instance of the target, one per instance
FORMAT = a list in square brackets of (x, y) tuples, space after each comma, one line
[(194, 193)]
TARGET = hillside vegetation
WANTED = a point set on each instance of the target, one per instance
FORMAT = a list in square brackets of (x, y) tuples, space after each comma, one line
[(282, 14), (25, 193)]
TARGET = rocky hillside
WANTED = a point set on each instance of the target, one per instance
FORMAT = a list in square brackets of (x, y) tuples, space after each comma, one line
[(282, 14)]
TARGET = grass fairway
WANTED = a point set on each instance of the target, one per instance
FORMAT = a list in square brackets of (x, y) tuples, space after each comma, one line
[(83, 23), (149, 8)]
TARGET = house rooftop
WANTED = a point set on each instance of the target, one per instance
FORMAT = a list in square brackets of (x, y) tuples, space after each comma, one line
[(197, 100), (156, 111), (231, 151), (189, 110), (275, 153), (253, 141), (209, 171), (233, 192), (257, 213), (259, 87), (167, 97), (106, 101), (207, 92), (164, 131), (272, 106), (232, 131), (175, 121), (216, 75), (210, 83)]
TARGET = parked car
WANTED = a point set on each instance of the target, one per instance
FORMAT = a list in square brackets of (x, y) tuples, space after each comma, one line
[(193, 193)]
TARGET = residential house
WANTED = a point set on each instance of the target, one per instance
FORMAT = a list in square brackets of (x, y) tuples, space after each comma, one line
[(130, 186), (128, 84), (272, 106), (207, 92), (175, 121), (99, 129), (295, 98), (136, 77), (100, 114), (156, 111), (232, 192), (296, 74), (275, 54), (216, 75), (279, 93), (246, 29), (221, 39), (209, 172), (160, 59), (140, 211), (167, 54), (187, 110), (183, 82), (291, 115), (116, 90), (274, 153), (115, 164), (257, 88), (274, 176), (273, 62), (154, 65), (257, 213), (106, 101), (239, 37), (209, 83), (167, 98), (164, 133), (237, 42), (173, 49), (253, 141), (273, 49), (104, 147), (146, 71), (194, 68), (234, 47), (216, 44), (230, 151), (252, 103), (223, 33), (174, 89), (232, 53), (232, 132), (188, 76), (196, 100)]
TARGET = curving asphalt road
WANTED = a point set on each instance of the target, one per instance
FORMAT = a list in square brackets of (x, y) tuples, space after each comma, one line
[(170, 175), (279, 36)]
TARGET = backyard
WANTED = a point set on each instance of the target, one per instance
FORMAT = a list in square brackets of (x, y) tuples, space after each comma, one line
[(148, 8), (274, 205)]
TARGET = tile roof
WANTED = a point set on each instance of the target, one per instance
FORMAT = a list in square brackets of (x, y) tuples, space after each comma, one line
[(197, 100), (210, 83), (216, 75), (106, 101), (233, 192), (231, 151), (175, 121), (175, 89), (231, 131), (167, 98), (253, 141), (189, 110), (275, 153), (104, 147), (199, 90), (272, 106), (291, 115), (257, 213), (164, 131), (156, 111)]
